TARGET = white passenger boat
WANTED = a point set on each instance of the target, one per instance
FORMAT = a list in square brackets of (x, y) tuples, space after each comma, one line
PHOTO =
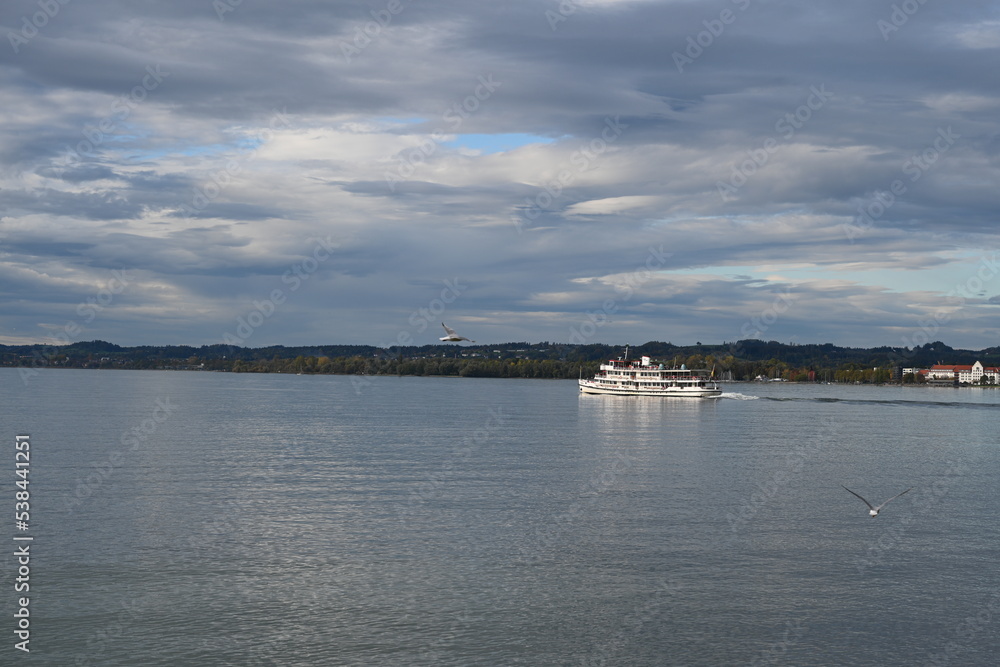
[(644, 377)]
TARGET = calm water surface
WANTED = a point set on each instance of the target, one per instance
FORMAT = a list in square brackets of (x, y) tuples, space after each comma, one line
[(186, 518)]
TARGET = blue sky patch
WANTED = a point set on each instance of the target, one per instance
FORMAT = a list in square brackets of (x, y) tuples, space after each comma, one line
[(496, 143)]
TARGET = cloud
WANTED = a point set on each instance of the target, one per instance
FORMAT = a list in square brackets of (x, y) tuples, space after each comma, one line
[(539, 153), (611, 205)]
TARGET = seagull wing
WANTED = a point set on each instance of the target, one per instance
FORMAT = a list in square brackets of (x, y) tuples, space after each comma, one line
[(893, 498), (865, 501), (450, 331)]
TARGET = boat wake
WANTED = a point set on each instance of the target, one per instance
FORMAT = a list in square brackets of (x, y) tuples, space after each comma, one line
[(886, 402), (735, 395)]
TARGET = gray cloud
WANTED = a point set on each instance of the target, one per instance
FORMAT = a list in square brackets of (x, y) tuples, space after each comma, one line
[(210, 153)]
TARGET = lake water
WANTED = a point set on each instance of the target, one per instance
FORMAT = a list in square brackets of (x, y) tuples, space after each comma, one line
[(185, 518)]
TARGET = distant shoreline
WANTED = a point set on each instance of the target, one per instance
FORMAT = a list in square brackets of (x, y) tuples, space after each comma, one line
[(739, 361), (908, 385)]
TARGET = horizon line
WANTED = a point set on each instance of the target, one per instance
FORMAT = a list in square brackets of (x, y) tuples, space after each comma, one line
[(59, 344)]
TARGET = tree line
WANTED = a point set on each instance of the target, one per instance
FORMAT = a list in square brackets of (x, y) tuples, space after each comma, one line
[(742, 360)]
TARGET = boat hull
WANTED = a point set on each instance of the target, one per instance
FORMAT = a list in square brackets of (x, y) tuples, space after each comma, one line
[(590, 387)]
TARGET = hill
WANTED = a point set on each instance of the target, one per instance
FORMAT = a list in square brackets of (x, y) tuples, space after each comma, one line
[(741, 360)]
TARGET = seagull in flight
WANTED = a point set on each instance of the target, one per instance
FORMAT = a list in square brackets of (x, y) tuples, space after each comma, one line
[(872, 510), (452, 336)]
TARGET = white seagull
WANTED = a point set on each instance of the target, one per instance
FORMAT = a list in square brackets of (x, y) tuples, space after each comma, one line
[(452, 336), (872, 510)]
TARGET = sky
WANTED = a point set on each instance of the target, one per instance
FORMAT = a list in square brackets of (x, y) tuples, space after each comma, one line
[(578, 171)]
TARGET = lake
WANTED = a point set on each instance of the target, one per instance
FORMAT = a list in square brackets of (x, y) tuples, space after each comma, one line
[(190, 518)]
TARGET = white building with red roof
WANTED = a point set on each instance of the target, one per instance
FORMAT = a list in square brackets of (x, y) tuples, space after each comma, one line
[(964, 374)]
